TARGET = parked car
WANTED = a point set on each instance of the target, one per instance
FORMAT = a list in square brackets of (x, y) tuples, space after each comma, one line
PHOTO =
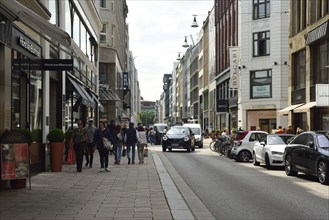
[(270, 150), (308, 153), (196, 129), (243, 144), (179, 137)]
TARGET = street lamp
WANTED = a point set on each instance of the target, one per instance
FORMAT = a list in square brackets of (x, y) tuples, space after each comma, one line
[(179, 57), (194, 23)]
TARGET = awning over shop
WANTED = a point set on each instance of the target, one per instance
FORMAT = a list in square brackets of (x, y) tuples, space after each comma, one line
[(286, 110), (85, 97), (108, 95), (99, 104), (305, 108)]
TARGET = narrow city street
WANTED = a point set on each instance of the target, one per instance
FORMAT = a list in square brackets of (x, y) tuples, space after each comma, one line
[(233, 190)]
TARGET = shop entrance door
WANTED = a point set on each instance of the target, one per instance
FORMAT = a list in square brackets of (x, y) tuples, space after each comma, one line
[(267, 124)]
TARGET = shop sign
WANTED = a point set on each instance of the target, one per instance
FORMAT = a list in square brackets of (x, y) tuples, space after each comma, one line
[(57, 64), (14, 161), (125, 80), (25, 45), (322, 95), (234, 66), (222, 105)]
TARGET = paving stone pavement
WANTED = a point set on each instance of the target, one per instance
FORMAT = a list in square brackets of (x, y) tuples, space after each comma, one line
[(149, 191)]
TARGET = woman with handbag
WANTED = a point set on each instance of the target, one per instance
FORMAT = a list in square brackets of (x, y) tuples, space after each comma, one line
[(99, 136)]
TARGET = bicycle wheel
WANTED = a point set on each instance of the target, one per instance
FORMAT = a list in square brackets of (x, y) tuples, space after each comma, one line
[(212, 145)]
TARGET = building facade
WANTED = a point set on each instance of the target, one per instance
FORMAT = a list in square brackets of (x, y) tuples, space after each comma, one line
[(49, 65), (308, 84), (263, 43)]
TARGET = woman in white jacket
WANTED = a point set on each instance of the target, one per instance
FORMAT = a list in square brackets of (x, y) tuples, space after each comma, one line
[(142, 142)]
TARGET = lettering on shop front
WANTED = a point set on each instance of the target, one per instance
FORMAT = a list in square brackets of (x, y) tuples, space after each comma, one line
[(28, 46)]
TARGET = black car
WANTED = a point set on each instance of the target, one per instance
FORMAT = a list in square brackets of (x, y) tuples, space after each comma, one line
[(308, 153), (179, 137)]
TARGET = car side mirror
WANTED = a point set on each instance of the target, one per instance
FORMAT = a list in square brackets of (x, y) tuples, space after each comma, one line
[(262, 143), (192, 133)]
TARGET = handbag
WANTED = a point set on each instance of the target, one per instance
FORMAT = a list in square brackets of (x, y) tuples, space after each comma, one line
[(119, 136), (124, 152), (146, 152), (107, 144)]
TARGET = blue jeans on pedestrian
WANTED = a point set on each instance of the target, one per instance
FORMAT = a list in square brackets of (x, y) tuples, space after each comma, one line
[(118, 152), (131, 147)]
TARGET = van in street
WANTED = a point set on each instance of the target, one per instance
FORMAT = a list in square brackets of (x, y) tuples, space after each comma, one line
[(196, 128)]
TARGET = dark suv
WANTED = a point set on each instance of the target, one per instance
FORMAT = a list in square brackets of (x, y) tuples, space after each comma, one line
[(308, 153)]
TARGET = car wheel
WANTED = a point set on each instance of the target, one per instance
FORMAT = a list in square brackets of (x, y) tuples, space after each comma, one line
[(201, 146), (164, 148), (288, 167), (254, 160), (244, 156), (323, 173), (267, 162)]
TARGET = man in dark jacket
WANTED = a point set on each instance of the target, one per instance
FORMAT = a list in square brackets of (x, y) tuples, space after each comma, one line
[(131, 138)]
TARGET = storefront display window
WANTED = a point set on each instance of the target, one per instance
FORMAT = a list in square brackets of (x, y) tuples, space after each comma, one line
[(26, 107)]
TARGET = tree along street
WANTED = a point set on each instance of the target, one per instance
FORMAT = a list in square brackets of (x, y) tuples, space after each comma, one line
[(233, 190)]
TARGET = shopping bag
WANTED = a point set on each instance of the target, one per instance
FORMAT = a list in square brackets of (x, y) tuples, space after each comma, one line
[(124, 152), (146, 152), (70, 156)]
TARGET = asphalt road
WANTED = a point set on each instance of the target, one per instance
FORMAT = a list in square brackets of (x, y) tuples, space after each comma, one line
[(233, 190)]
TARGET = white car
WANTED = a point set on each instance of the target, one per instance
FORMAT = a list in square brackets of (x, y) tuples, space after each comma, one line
[(196, 129), (269, 151), (243, 144)]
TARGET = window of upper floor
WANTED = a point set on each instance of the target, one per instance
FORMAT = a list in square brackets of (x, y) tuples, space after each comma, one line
[(320, 63), (261, 44), (299, 70), (261, 9), (261, 84), (102, 37)]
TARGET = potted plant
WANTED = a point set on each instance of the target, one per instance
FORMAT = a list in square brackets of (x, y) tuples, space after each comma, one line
[(36, 148), (56, 140), (69, 152)]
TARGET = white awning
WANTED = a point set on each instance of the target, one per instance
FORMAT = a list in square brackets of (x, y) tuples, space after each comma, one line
[(305, 108), (286, 110)]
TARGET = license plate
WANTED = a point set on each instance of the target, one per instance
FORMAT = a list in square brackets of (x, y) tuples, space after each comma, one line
[(174, 145)]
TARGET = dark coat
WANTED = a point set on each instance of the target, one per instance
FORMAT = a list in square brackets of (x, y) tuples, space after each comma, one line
[(131, 136)]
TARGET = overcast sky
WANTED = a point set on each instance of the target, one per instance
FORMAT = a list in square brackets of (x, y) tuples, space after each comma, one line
[(156, 30)]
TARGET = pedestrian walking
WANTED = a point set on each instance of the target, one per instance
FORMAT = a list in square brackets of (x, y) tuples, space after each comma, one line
[(142, 142), (131, 138), (99, 135), (79, 135), (120, 142), (151, 134), (90, 131)]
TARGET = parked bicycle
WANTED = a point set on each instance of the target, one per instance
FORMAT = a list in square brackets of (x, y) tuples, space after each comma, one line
[(221, 145)]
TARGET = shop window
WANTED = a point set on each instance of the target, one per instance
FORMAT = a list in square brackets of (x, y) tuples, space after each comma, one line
[(261, 9), (261, 42), (261, 84)]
